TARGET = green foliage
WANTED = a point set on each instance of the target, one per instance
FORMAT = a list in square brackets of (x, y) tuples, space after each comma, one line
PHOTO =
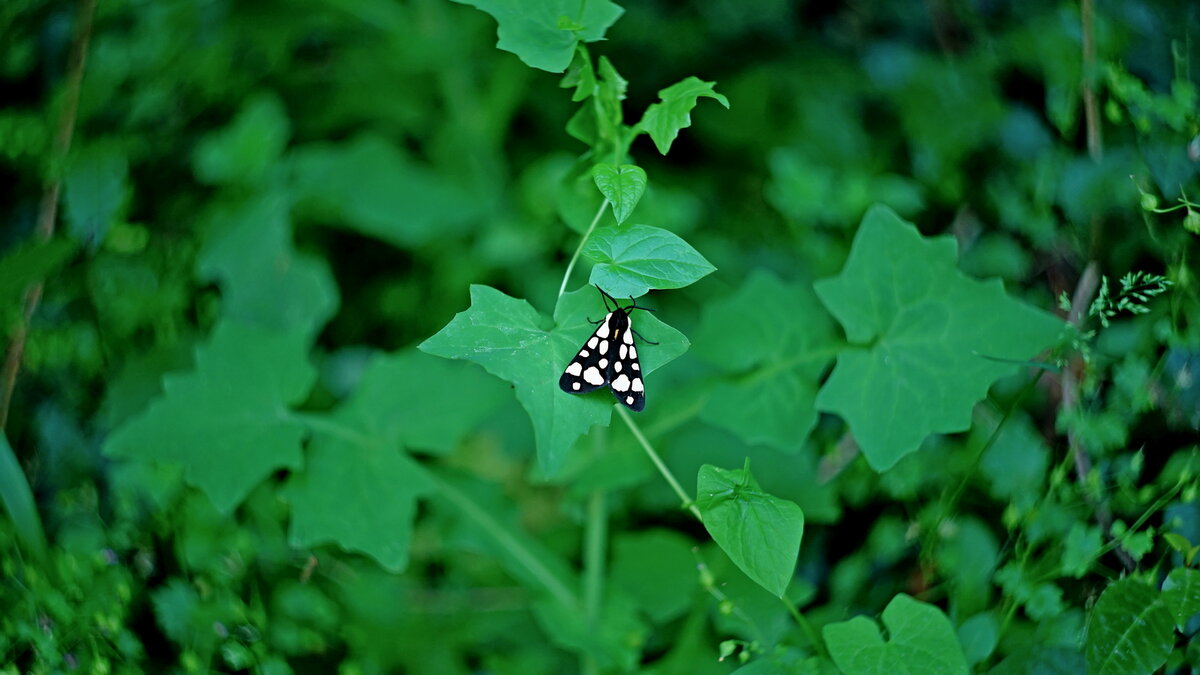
[(288, 353), (760, 533)]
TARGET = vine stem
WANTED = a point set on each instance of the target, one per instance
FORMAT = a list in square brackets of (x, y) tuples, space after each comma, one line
[(594, 549), (48, 210), (662, 468), (562, 288)]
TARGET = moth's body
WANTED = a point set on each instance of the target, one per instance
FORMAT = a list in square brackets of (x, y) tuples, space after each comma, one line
[(608, 357)]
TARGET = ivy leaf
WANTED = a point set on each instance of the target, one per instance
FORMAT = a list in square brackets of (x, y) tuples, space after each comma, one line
[(264, 280), (357, 491), (632, 260), (1130, 630), (759, 532), (96, 189), (514, 342), (227, 422), (664, 119), (775, 340), (920, 639), (622, 186), (1181, 594), (544, 33), (930, 338)]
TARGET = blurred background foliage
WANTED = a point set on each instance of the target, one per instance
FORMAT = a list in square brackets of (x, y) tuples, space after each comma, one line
[(342, 170)]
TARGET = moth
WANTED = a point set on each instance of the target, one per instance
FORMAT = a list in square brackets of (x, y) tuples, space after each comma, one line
[(609, 357)]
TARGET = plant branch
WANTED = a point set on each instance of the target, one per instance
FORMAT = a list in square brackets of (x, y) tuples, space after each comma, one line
[(48, 211), (562, 288), (1091, 113), (662, 468), (1085, 290)]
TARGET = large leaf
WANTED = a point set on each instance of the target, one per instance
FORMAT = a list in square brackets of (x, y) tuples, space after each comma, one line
[(544, 33), (1129, 631), (761, 533), (368, 185), (264, 280), (633, 260), (514, 342), (774, 340), (920, 640), (17, 499), (621, 185), (932, 341), (664, 119), (1181, 594), (227, 422)]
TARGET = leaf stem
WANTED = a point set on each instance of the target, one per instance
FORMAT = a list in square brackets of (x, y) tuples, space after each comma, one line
[(594, 548), (806, 627), (662, 468), (48, 211), (562, 288)]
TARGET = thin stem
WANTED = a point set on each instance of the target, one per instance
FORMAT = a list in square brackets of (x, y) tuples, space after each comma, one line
[(48, 211), (806, 627), (562, 288), (662, 468), (594, 549)]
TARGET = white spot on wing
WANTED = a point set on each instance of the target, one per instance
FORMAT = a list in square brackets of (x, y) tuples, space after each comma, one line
[(629, 335), (593, 376), (602, 331), (624, 351), (629, 400), (621, 383), (637, 384), (604, 346), (574, 369), (603, 363), (583, 353), (592, 342), (617, 366), (632, 352), (636, 366), (575, 386)]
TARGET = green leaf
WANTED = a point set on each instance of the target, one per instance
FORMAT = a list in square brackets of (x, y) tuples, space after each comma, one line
[(664, 119), (1015, 463), (775, 340), (357, 491), (1130, 630), (759, 532), (920, 640), (227, 422), (929, 338), (95, 191), (1181, 594), (512, 341), (978, 636), (622, 186), (536, 32), (264, 280), (614, 640), (174, 606), (633, 260), (24, 265), (369, 186), (18, 502), (1080, 549), (246, 151)]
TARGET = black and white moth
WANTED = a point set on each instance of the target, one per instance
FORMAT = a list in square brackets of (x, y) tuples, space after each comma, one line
[(609, 357)]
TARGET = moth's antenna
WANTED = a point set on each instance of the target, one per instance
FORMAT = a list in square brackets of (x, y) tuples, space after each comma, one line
[(606, 297), (635, 306)]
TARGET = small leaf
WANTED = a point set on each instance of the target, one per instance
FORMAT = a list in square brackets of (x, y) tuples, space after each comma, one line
[(978, 636), (663, 120), (245, 151), (1130, 630), (920, 640), (622, 186), (24, 265), (544, 33), (1181, 594), (17, 499), (1177, 541), (95, 191), (227, 421), (630, 261), (759, 532), (926, 333)]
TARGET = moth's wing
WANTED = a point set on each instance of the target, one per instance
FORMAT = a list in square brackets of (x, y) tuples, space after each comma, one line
[(585, 373), (625, 376)]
